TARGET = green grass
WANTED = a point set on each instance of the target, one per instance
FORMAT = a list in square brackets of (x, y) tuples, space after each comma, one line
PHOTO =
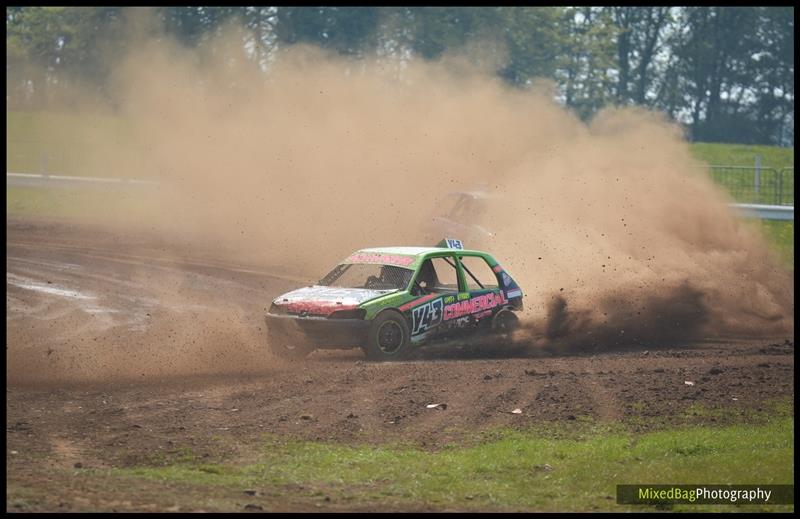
[(514, 471), (781, 236), (122, 205), (68, 141), (65, 203), (776, 183), (85, 145), (70, 144), (743, 155)]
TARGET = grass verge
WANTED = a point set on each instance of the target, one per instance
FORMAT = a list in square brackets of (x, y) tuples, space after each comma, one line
[(93, 204), (743, 155), (126, 205), (781, 236), (514, 471)]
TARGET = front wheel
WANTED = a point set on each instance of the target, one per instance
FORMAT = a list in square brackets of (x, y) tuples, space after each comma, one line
[(389, 337), (285, 348)]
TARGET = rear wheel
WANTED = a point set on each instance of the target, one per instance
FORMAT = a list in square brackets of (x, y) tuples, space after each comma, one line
[(389, 337), (504, 324), (286, 348)]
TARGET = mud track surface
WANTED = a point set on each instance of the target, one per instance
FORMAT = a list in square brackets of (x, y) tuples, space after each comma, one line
[(123, 347)]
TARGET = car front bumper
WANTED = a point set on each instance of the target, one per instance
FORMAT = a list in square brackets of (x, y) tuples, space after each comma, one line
[(321, 332)]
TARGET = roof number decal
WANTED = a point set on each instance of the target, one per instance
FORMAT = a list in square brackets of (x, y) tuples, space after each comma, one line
[(454, 244)]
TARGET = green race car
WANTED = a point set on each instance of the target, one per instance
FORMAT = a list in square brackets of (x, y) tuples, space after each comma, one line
[(390, 301)]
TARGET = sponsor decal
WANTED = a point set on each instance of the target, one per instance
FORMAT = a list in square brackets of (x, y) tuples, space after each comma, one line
[(514, 293), (426, 316), (475, 305), (497, 268), (454, 244), (384, 259)]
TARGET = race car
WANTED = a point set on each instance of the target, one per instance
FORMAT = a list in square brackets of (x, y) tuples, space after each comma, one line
[(459, 214), (391, 301)]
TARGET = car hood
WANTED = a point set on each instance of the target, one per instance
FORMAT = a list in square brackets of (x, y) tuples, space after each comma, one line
[(321, 300)]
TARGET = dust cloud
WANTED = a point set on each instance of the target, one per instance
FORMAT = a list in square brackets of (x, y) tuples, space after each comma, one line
[(629, 242), (611, 228)]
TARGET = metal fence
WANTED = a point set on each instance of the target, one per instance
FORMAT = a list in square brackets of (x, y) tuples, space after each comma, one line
[(754, 185), (79, 158), (45, 158), (746, 184)]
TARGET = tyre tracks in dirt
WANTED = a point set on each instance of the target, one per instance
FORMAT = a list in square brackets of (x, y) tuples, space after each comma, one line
[(200, 377)]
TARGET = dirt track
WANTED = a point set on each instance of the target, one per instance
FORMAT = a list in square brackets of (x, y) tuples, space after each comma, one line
[(122, 347)]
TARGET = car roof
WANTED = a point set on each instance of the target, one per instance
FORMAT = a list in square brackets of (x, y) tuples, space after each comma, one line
[(408, 257), (416, 251)]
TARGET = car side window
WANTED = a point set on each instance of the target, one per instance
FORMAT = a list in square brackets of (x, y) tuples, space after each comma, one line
[(478, 273), (439, 275), (446, 275)]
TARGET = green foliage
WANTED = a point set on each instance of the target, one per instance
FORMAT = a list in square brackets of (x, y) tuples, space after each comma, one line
[(586, 59), (71, 45), (344, 29), (728, 51), (727, 72)]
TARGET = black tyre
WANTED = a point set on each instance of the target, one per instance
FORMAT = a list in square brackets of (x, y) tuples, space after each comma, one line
[(389, 337), (285, 348), (504, 324)]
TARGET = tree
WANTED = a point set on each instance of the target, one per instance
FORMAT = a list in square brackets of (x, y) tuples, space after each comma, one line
[(346, 30), (738, 65), (586, 67), (640, 35), (726, 72)]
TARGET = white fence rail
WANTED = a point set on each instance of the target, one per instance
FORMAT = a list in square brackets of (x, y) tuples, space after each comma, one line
[(31, 179), (765, 212)]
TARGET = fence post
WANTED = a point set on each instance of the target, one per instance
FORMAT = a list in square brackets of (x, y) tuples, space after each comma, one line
[(758, 174)]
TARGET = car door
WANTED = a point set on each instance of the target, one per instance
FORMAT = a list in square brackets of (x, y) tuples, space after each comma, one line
[(482, 297), (439, 283)]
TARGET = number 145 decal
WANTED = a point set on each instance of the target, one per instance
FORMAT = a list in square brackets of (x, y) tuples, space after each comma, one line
[(427, 316)]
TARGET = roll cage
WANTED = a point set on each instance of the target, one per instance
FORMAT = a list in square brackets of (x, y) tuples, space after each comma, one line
[(452, 257)]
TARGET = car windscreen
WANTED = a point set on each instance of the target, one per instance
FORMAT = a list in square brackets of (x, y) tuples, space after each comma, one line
[(368, 275)]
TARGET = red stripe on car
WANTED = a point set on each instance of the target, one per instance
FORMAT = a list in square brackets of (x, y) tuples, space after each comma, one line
[(417, 301)]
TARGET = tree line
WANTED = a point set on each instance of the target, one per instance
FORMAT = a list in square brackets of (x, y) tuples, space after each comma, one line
[(725, 73)]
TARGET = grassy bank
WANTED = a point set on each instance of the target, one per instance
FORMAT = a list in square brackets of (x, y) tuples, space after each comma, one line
[(93, 203), (75, 144), (125, 205), (734, 168), (68, 144), (781, 237), (743, 155), (85, 146), (577, 470)]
